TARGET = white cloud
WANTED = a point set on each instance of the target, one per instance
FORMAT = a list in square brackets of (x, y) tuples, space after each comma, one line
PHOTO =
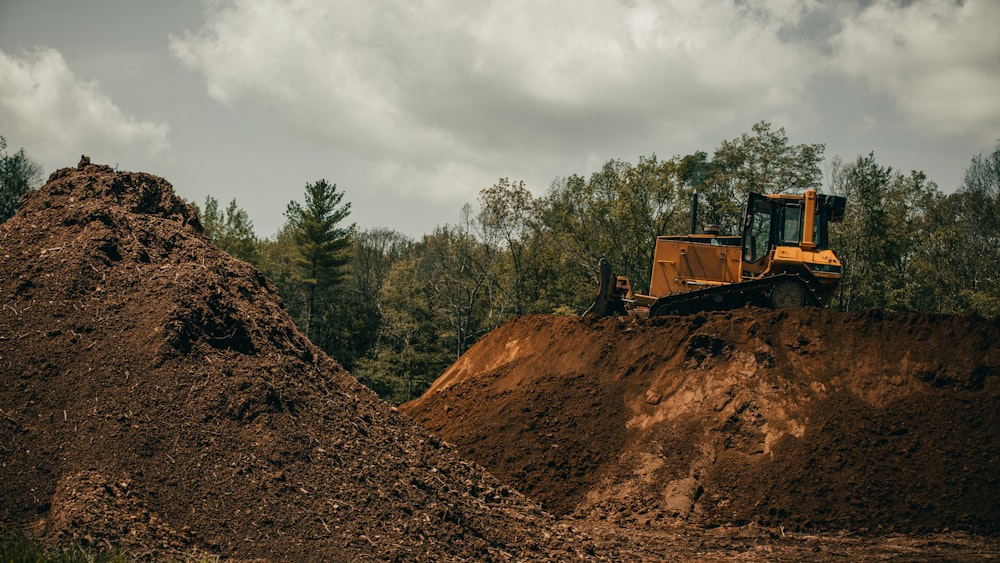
[(438, 98), (486, 82), (937, 60), (56, 116)]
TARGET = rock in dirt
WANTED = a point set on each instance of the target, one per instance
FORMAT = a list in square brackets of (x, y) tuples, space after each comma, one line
[(155, 395), (809, 420)]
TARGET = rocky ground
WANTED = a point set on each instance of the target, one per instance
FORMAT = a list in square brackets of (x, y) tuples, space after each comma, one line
[(155, 396)]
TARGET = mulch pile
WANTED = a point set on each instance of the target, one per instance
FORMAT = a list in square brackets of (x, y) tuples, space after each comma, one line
[(155, 395), (810, 420)]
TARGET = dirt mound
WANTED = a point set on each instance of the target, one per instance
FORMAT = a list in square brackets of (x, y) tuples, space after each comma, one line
[(155, 395), (808, 420)]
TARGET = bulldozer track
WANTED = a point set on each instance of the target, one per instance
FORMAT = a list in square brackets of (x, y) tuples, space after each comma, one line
[(733, 296)]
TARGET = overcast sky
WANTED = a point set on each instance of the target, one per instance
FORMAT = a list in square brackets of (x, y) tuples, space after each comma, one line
[(413, 107)]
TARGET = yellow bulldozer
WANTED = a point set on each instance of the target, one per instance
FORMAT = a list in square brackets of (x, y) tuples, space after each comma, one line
[(781, 260)]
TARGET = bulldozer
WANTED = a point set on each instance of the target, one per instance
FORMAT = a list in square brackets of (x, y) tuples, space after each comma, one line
[(781, 260)]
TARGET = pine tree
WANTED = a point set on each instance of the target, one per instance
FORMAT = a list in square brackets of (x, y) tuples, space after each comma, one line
[(322, 248)]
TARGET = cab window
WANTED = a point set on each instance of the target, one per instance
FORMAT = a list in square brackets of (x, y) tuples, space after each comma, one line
[(757, 236), (791, 225)]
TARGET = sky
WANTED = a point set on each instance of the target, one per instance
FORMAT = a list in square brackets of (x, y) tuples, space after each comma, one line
[(412, 108)]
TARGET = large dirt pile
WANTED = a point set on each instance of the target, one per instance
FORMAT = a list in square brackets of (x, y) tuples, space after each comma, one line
[(810, 420), (155, 395)]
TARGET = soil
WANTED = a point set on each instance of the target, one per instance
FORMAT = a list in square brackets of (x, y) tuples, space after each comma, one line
[(810, 421), (156, 396)]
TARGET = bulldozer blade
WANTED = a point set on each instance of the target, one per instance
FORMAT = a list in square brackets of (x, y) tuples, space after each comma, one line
[(608, 301)]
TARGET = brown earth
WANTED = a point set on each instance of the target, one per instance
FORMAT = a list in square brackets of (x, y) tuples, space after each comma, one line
[(811, 420), (154, 395)]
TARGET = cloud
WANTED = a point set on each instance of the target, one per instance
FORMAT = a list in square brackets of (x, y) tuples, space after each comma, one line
[(440, 98), (488, 82), (56, 116), (938, 61)]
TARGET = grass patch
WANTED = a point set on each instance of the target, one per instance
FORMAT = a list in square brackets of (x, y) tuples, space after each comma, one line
[(17, 547)]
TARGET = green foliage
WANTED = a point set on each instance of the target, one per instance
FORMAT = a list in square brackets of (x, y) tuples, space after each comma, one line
[(354, 321), (277, 258), (21, 548), (617, 213), (322, 252), (979, 220), (414, 344), (763, 162), (19, 174), (905, 246), (373, 256), (508, 223), (441, 294), (454, 268), (308, 261), (231, 231), (866, 242), (956, 264)]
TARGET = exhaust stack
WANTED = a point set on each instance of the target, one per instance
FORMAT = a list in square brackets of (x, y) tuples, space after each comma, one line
[(694, 212)]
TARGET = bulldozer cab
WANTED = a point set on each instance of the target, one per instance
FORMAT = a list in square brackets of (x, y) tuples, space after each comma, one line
[(771, 221)]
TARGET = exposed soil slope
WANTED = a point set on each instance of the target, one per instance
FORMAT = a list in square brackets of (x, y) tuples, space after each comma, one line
[(809, 420), (155, 395)]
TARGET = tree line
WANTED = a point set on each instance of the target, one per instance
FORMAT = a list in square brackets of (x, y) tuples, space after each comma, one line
[(396, 311)]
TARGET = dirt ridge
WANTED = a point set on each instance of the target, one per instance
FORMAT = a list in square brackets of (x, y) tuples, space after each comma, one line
[(809, 420)]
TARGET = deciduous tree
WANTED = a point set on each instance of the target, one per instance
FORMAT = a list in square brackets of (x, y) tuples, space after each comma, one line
[(883, 231), (761, 162), (508, 217), (977, 235), (617, 214)]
